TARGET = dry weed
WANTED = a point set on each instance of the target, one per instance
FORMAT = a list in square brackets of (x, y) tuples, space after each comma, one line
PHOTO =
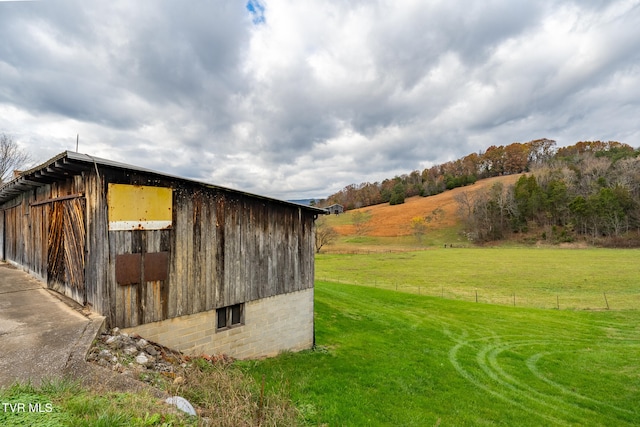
[(226, 396)]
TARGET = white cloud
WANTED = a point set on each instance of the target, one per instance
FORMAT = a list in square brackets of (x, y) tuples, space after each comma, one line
[(300, 99)]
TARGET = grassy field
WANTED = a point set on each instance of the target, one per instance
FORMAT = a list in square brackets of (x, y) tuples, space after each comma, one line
[(526, 277), (398, 359), (393, 221), (222, 394), (401, 341), (64, 403)]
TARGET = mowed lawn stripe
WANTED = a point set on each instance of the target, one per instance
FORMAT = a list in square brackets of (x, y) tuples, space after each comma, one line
[(391, 358)]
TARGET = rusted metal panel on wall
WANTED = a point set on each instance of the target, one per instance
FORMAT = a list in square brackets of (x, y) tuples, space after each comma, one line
[(129, 269), (147, 300), (139, 207), (156, 265)]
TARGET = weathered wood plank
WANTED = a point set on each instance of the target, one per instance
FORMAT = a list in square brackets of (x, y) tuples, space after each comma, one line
[(100, 275), (224, 248), (221, 218), (208, 249), (74, 245), (151, 309)]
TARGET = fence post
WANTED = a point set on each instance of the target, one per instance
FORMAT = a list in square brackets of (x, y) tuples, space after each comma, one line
[(605, 299)]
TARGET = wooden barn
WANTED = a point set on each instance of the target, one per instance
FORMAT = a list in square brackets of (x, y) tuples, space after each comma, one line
[(193, 266), (334, 209)]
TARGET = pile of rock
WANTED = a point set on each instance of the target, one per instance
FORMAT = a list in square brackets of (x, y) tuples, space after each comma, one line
[(133, 355), (144, 360)]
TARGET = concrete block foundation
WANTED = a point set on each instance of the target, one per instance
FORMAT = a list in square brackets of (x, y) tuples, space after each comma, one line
[(271, 325)]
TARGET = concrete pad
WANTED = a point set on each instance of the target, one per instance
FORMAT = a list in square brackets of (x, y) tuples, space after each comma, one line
[(40, 330)]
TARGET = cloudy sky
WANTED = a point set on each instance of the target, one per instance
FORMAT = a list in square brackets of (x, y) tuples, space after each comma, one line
[(296, 99)]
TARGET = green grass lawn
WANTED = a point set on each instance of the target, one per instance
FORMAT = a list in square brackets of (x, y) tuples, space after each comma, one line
[(61, 403), (428, 355), (399, 359), (529, 277)]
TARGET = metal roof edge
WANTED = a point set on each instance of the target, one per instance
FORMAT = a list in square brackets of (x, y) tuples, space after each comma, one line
[(7, 188)]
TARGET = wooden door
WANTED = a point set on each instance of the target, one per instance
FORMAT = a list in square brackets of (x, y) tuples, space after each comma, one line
[(66, 248)]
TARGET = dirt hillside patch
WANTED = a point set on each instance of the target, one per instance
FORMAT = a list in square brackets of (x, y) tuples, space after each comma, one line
[(393, 221)]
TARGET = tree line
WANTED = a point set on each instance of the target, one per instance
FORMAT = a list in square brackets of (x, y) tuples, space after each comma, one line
[(590, 189), (495, 161)]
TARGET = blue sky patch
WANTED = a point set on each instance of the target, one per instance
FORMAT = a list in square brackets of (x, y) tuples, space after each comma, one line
[(257, 10)]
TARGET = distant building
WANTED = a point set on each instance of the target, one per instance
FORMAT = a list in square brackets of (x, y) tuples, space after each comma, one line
[(335, 209), (193, 266)]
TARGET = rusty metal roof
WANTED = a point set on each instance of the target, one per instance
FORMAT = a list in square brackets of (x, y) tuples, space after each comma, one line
[(70, 163)]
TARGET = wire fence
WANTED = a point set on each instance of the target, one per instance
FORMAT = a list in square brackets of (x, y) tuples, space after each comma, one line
[(367, 251), (611, 299)]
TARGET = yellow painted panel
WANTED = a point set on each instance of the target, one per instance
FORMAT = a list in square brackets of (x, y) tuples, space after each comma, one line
[(139, 207)]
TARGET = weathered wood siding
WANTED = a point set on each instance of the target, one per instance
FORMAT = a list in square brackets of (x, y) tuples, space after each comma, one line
[(143, 302), (223, 247), (47, 236)]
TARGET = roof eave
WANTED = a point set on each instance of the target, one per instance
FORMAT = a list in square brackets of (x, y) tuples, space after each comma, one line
[(69, 163)]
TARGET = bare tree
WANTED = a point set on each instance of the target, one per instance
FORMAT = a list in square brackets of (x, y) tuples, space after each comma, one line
[(325, 234), (465, 205), (419, 228), (360, 220), (11, 157)]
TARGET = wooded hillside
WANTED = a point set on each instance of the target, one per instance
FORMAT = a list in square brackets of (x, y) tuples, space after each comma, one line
[(588, 190), (588, 194), (495, 161)]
